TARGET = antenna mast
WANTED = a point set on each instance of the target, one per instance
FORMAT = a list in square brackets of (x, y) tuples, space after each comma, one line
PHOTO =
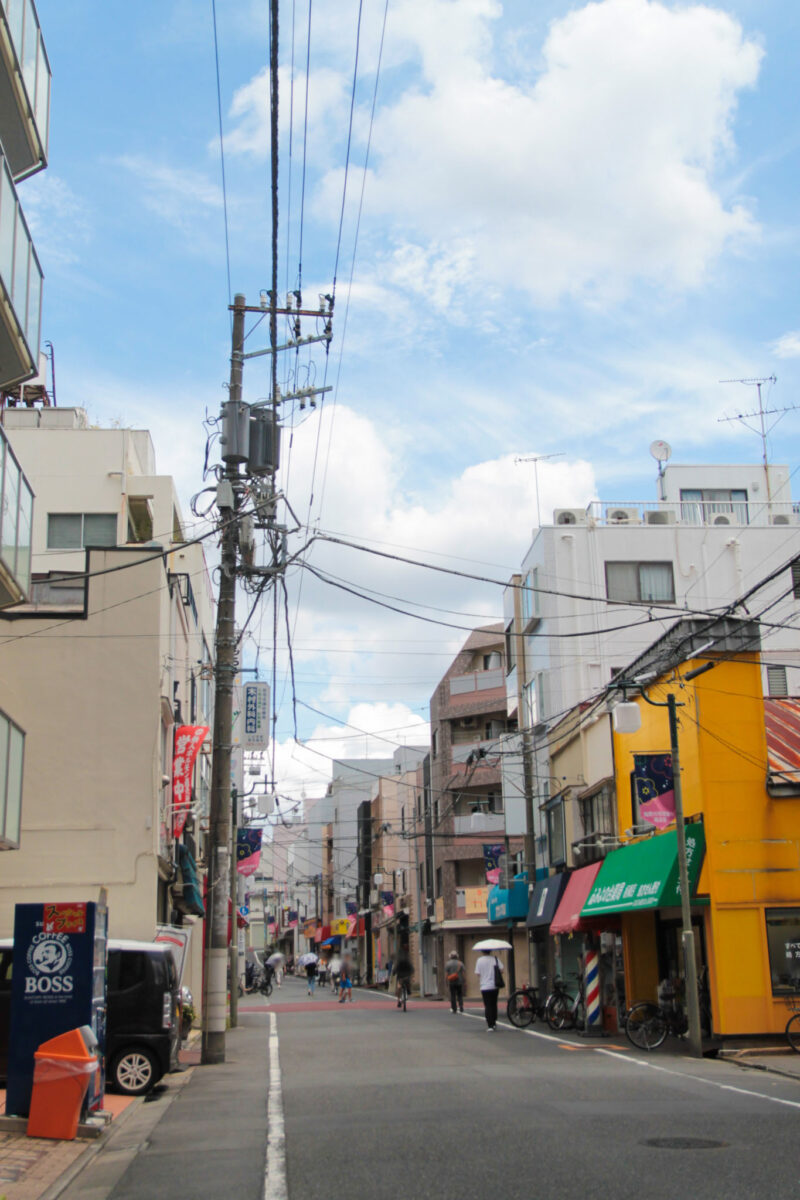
[(763, 429)]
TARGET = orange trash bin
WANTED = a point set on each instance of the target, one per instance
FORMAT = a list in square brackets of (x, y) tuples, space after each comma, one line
[(63, 1067)]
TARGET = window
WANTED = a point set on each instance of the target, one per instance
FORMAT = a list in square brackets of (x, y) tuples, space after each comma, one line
[(555, 834), (530, 707), (597, 811), (633, 582), (511, 652), (714, 506), (796, 579), (12, 751), (495, 800), (438, 881), (530, 596), (783, 944), (776, 680), (74, 531), (435, 742)]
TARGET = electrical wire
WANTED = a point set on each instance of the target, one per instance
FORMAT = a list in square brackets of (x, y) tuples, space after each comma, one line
[(222, 156)]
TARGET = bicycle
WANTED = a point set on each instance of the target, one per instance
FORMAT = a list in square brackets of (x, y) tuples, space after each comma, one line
[(793, 1026), (523, 1006), (647, 1024), (261, 983), (562, 1010), (403, 996)]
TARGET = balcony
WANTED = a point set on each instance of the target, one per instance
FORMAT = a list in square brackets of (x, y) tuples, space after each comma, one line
[(476, 681), (24, 88), (479, 822), (16, 515), (20, 289)]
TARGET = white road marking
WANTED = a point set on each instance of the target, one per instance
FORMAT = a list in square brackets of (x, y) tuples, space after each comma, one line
[(723, 1087), (275, 1187), (641, 1062)]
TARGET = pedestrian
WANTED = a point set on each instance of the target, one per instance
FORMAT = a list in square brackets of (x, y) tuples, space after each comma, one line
[(336, 968), (323, 972), (456, 976), (404, 972), (346, 984), (278, 974), (487, 968), (311, 976)]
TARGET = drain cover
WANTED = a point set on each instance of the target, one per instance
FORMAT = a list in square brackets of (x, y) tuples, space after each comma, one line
[(683, 1143)]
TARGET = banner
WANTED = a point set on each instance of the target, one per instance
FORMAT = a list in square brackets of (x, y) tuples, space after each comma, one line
[(653, 788), (351, 908), (491, 859), (188, 740), (387, 901), (352, 926), (339, 926), (255, 726), (292, 922), (248, 850)]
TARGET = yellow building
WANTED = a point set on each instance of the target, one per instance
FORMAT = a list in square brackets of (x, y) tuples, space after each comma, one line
[(741, 800)]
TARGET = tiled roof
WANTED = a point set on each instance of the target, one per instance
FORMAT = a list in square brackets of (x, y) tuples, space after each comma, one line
[(783, 738)]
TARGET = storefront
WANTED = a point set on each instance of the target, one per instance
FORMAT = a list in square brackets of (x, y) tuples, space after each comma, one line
[(638, 885), (568, 923), (544, 901)]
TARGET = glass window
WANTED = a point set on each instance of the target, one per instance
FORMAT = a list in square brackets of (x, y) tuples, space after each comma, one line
[(10, 512), (635, 582), (530, 707), (16, 15), (30, 47), (511, 651), (16, 749), (4, 728), (24, 536), (34, 309), (555, 834), (19, 284), (42, 101), (64, 531), (73, 531), (783, 944), (99, 529), (8, 218)]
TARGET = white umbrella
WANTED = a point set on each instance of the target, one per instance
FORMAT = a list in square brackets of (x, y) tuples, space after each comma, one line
[(492, 944), (275, 959), (307, 958)]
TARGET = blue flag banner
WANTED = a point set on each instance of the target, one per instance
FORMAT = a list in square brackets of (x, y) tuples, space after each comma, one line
[(248, 850), (351, 908), (491, 859), (653, 789)]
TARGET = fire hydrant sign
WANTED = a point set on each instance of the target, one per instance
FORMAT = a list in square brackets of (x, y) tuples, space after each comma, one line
[(58, 984)]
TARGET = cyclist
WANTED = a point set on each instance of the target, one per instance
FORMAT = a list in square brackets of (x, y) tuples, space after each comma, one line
[(404, 972)]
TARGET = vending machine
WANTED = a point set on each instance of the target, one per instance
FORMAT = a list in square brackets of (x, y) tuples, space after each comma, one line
[(58, 984)]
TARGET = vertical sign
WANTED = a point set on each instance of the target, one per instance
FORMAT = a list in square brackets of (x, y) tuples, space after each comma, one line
[(255, 729)]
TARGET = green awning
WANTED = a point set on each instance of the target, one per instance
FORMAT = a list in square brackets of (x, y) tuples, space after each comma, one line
[(645, 875)]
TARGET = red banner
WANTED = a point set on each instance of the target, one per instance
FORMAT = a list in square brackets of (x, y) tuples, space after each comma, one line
[(188, 740)]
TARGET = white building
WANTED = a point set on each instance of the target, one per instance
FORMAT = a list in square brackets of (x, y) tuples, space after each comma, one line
[(112, 652), (600, 585)]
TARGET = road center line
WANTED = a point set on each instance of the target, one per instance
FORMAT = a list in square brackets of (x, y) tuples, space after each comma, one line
[(723, 1087), (275, 1169)]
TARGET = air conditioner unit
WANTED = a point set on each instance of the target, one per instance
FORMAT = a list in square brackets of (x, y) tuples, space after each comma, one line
[(659, 516), (783, 519), (623, 516), (569, 516), (721, 519)]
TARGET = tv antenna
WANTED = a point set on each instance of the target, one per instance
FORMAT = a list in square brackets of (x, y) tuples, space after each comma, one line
[(536, 459), (764, 428)]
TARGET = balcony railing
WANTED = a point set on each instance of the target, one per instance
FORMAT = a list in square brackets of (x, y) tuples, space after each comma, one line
[(480, 822), (24, 88), (16, 516), (476, 681), (21, 298)]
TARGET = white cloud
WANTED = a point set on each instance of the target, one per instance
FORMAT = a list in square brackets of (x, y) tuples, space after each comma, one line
[(787, 346), (598, 172), (328, 107), (59, 220), (178, 195)]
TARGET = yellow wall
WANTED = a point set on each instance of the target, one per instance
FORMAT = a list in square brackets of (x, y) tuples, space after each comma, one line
[(752, 841)]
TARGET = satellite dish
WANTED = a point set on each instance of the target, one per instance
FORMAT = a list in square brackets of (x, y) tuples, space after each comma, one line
[(661, 451)]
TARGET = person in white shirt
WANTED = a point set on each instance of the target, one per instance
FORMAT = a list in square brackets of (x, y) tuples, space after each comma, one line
[(485, 970)]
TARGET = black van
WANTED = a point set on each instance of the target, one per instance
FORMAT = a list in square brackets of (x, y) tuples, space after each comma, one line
[(143, 1013)]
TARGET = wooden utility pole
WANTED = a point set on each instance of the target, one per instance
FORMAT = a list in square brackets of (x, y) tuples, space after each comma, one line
[(216, 941)]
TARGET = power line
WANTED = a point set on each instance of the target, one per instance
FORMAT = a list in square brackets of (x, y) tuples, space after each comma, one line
[(222, 153)]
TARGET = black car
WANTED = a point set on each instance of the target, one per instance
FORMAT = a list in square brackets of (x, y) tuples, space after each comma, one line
[(142, 1019)]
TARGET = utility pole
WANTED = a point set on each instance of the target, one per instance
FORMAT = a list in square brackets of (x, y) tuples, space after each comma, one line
[(216, 947), (687, 936)]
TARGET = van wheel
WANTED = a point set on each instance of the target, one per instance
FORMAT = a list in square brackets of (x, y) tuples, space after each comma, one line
[(134, 1071)]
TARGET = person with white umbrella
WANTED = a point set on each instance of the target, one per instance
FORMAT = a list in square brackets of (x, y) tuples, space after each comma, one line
[(490, 974)]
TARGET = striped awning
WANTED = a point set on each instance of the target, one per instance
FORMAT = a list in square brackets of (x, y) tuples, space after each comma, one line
[(782, 718)]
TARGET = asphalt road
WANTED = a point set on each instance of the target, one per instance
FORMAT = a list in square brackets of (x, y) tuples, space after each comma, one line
[(367, 1102)]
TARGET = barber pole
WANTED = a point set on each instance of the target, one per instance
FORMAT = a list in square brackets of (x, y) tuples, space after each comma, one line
[(592, 977)]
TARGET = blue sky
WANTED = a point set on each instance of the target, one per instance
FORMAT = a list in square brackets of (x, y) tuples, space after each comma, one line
[(577, 219)]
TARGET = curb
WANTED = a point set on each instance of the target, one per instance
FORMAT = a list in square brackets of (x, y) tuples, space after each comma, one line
[(97, 1144)]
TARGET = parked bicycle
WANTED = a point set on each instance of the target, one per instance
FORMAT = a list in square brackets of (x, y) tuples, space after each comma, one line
[(647, 1024), (402, 994), (260, 981), (793, 1026), (523, 1006), (563, 1010)]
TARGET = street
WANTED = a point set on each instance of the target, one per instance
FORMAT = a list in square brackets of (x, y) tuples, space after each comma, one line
[(377, 1102)]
